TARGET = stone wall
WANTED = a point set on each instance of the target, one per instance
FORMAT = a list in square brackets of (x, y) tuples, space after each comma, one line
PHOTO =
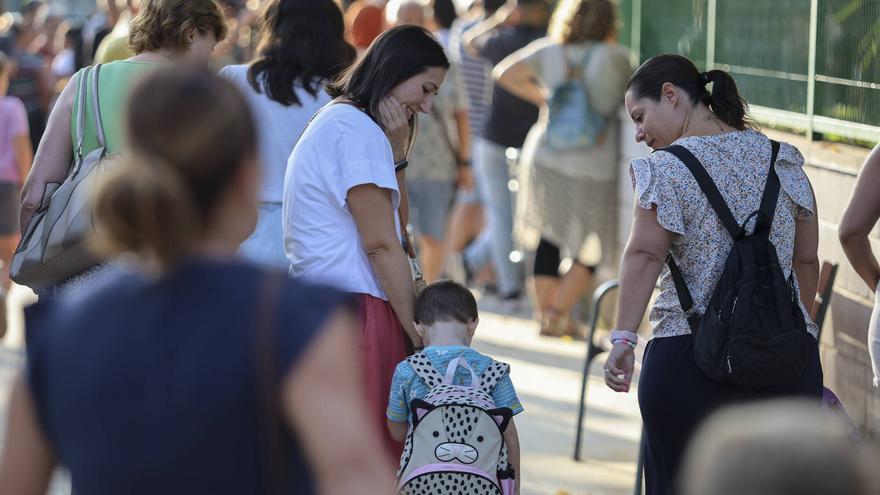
[(832, 169)]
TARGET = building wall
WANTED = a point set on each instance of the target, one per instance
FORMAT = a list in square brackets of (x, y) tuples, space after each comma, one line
[(832, 169)]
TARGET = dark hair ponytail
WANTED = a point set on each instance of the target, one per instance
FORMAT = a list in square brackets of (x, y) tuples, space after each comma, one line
[(724, 100)]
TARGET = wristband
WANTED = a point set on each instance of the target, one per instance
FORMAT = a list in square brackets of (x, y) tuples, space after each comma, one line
[(624, 336), (624, 341), (464, 163), (402, 164)]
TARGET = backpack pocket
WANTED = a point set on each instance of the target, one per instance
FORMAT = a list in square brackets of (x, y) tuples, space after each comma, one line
[(441, 479), (755, 362)]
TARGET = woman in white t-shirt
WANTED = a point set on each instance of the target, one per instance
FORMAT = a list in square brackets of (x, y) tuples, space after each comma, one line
[(344, 203), (568, 195), (301, 46)]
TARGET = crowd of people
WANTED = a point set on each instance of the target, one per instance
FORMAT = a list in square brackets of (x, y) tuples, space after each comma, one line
[(272, 192)]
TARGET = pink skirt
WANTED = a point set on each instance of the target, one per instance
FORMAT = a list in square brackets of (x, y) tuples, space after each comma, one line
[(383, 347)]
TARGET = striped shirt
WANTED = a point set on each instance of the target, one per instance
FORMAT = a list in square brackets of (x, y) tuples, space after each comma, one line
[(476, 73)]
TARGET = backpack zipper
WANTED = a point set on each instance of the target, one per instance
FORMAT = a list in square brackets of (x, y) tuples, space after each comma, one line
[(729, 367)]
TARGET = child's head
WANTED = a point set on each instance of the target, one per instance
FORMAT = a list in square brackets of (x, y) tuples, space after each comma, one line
[(446, 314)]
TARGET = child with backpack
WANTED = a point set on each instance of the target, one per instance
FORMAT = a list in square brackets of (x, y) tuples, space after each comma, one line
[(453, 405)]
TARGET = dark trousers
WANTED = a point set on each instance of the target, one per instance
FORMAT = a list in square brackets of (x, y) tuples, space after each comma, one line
[(675, 396)]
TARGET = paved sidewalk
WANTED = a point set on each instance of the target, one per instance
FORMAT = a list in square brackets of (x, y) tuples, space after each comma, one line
[(546, 373)]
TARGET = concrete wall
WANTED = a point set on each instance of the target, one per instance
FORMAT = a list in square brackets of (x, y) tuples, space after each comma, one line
[(832, 169)]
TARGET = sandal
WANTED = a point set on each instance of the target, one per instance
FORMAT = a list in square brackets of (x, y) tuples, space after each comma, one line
[(554, 323)]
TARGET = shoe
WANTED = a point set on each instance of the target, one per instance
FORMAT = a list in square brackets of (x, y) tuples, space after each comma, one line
[(556, 324), (456, 268)]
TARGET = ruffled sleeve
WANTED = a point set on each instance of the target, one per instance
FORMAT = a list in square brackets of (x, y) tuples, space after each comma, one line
[(793, 180), (653, 188)]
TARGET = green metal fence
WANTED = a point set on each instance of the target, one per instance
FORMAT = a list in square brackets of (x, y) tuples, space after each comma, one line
[(812, 65)]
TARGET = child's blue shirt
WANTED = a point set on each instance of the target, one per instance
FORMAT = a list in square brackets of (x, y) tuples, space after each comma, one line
[(406, 384)]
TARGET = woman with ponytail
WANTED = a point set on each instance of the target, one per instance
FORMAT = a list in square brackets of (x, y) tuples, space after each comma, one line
[(198, 373), (671, 102)]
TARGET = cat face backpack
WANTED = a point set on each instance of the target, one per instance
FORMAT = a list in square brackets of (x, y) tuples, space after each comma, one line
[(455, 443)]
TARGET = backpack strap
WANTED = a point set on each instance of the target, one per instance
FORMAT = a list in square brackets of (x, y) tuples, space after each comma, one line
[(770, 197), (576, 72), (709, 189), (685, 299), (493, 374), (424, 369)]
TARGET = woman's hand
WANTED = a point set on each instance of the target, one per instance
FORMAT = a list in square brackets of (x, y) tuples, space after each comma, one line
[(619, 367), (392, 116)]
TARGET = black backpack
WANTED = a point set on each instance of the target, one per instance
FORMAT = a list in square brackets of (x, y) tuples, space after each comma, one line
[(753, 333)]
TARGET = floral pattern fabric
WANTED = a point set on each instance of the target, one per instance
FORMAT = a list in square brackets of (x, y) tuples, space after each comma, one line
[(738, 163)]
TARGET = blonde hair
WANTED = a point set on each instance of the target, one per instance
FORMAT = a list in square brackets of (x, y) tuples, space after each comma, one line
[(189, 132), (576, 21), (164, 24)]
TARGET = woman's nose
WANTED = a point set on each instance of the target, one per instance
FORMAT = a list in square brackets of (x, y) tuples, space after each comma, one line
[(427, 104), (640, 135)]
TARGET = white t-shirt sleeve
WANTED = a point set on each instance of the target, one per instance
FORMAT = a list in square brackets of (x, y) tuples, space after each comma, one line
[(365, 156)]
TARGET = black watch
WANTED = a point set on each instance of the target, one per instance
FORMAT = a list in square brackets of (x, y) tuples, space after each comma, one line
[(402, 164)]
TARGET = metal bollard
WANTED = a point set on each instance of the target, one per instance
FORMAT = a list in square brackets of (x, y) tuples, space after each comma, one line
[(592, 351)]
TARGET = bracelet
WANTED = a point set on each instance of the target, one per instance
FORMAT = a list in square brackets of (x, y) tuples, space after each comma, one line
[(464, 163), (402, 164), (627, 342), (631, 338)]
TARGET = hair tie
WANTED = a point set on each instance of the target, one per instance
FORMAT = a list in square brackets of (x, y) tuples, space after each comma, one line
[(705, 78)]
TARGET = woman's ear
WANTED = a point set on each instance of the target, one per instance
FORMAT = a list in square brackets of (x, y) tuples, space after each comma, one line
[(190, 35), (669, 93)]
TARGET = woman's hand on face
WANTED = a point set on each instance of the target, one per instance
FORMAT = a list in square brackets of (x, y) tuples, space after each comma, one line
[(619, 367), (392, 116)]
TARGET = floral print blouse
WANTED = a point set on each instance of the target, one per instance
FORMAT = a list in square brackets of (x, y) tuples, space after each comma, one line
[(738, 163)]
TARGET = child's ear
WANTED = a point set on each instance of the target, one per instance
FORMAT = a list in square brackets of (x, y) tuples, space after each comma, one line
[(420, 329), (472, 326)]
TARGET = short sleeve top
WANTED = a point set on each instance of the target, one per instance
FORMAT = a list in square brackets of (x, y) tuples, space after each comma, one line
[(738, 163), (278, 126), (151, 385), (341, 148), (406, 384), (13, 125)]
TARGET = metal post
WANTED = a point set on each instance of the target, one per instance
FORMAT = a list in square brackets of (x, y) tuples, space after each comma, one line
[(592, 352), (811, 66), (710, 34), (640, 466), (636, 34)]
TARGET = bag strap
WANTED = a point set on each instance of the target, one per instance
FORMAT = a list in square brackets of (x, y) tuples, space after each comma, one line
[(685, 299), (576, 72), (424, 369), (83, 82), (272, 430), (493, 374), (453, 367), (762, 226), (96, 107), (709, 189), (770, 197)]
